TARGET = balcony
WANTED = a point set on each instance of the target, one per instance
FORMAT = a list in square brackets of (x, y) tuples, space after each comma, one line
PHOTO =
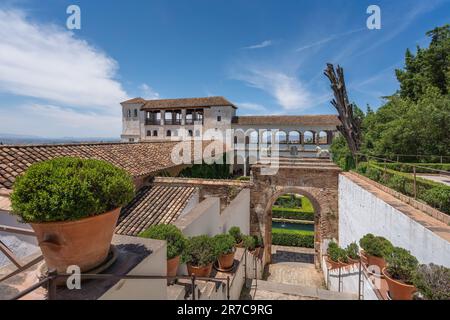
[(172, 121), (152, 122)]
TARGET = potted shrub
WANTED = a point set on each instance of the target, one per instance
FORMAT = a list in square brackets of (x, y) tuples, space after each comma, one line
[(364, 243), (336, 257), (352, 252), (376, 249), (199, 255), (237, 235), (249, 243), (258, 245), (73, 206), (401, 266), (224, 248), (176, 243), (433, 282)]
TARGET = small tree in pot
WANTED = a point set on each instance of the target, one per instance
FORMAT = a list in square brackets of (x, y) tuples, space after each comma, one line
[(224, 247), (433, 282), (376, 249), (237, 235), (337, 257), (199, 255), (352, 252), (73, 206), (399, 273), (176, 243)]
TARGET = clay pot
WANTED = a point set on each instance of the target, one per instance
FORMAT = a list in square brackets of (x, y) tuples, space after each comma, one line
[(352, 261), (203, 271), (226, 260), (256, 251), (364, 257), (398, 290), (334, 264), (376, 261), (172, 266), (83, 242)]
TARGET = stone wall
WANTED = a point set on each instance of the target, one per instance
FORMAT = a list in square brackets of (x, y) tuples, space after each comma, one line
[(320, 185)]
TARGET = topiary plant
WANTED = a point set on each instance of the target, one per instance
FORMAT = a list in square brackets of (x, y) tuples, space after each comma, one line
[(199, 251), (365, 241), (352, 251), (249, 242), (69, 188), (223, 244), (176, 242), (335, 253), (376, 246), (433, 281), (236, 233), (401, 265)]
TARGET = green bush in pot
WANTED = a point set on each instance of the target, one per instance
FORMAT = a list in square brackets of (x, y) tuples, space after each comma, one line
[(376, 246), (223, 244), (249, 243), (433, 281), (335, 253), (176, 242), (236, 233), (401, 265), (352, 251), (199, 251), (67, 189)]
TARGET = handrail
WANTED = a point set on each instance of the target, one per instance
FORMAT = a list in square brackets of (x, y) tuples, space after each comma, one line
[(53, 276)]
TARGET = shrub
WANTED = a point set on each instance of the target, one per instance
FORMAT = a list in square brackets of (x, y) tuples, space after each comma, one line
[(199, 251), (335, 253), (68, 188), (223, 244), (176, 242), (295, 239), (376, 246), (243, 178), (290, 213), (258, 241), (401, 265), (438, 198), (433, 281), (352, 251), (236, 233), (249, 242)]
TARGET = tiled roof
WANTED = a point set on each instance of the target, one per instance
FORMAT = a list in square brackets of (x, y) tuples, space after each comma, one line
[(153, 205), (311, 120), (186, 103), (139, 159), (135, 100)]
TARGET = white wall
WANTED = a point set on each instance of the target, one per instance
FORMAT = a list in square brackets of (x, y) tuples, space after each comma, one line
[(361, 212), (237, 213)]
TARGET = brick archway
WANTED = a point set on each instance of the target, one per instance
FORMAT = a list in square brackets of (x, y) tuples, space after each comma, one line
[(317, 181)]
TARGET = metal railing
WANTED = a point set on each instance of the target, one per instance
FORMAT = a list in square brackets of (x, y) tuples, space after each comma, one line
[(50, 281), (11, 256)]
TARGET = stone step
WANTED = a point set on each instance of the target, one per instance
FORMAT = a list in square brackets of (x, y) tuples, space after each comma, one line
[(315, 293)]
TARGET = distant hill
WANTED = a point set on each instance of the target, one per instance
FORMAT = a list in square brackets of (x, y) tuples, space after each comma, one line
[(6, 138)]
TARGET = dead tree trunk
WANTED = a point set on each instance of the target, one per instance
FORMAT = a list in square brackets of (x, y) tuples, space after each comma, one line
[(351, 125)]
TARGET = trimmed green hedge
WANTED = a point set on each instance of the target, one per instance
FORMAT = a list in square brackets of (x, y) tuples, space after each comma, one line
[(243, 178), (290, 213), (408, 167), (433, 193), (294, 238)]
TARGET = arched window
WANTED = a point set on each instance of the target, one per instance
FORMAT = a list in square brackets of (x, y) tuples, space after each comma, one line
[(129, 113), (135, 113), (148, 133), (323, 137), (155, 133), (190, 133), (267, 137), (168, 133), (308, 137), (253, 136), (294, 137), (280, 137)]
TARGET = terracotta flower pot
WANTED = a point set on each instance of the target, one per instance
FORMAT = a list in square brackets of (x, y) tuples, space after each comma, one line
[(199, 271), (83, 242), (398, 290), (226, 260), (334, 264), (172, 266), (376, 261), (352, 261), (364, 257)]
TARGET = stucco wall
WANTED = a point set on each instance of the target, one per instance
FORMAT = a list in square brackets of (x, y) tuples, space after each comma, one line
[(361, 212), (237, 213)]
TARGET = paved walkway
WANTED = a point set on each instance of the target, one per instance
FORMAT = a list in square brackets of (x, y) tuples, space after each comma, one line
[(436, 178)]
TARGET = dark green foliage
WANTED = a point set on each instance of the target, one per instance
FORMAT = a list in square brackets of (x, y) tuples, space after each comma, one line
[(236, 233), (341, 154), (67, 188), (176, 241), (376, 246), (249, 242), (438, 197), (401, 265), (335, 253), (290, 201), (287, 213), (258, 241), (223, 244), (433, 281), (365, 241), (199, 251), (422, 167), (243, 178), (352, 250), (295, 239), (208, 171)]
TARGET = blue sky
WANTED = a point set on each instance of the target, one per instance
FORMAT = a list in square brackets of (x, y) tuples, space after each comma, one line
[(266, 56)]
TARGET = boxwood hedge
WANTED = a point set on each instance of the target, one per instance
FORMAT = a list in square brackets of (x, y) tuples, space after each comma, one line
[(293, 238), (291, 213)]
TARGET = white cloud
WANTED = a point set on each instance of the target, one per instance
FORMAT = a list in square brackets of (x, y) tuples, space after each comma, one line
[(148, 92), (288, 91), (50, 63), (265, 43), (328, 39), (55, 121)]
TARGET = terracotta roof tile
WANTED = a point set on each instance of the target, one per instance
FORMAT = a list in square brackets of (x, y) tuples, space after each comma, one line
[(186, 103), (153, 205), (326, 119), (139, 159)]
